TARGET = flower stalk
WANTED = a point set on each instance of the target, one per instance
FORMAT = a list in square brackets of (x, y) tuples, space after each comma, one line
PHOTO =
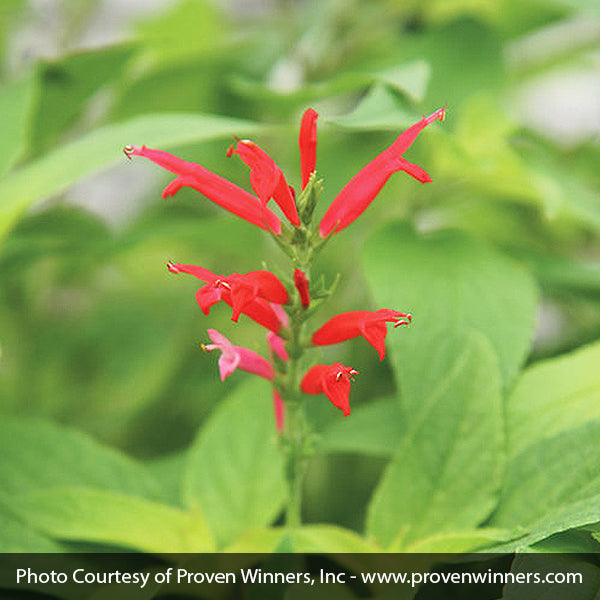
[(284, 307)]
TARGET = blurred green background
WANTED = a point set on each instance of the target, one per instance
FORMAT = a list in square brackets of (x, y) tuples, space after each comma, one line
[(97, 335)]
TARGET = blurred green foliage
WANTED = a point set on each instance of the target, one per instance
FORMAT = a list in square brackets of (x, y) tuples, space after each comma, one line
[(462, 439)]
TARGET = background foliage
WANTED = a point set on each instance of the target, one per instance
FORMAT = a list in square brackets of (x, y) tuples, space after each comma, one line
[(482, 427)]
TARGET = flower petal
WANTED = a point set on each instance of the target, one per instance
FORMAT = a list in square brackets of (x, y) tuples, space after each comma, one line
[(362, 189), (267, 178), (221, 191), (308, 144)]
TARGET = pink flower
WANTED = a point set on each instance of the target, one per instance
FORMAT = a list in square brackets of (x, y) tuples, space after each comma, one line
[(236, 357), (331, 380), (361, 190), (277, 346), (301, 283), (267, 178), (370, 324), (308, 144), (279, 410), (215, 188), (250, 293)]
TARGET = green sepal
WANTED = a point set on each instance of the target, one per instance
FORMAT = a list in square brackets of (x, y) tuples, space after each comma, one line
[(308, 199)]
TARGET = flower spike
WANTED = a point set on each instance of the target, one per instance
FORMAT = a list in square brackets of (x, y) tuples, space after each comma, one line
[(308, 145), (237, 357), (267, 178), (221, 191), (331, 380), (370, 324), (362, 189)]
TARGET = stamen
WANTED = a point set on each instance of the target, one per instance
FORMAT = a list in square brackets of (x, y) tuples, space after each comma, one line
[(172, 267), (220, 283), (128, 151)]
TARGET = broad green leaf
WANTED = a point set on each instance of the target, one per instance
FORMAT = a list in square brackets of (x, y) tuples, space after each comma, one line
[(447, 279), (553, 428), (263, 540), (94, 515), (445, 475), (568, 542), (571, 515), (380, 109), (552, 397), (410, 78), (234, 471), (169, 471), (16, 101), (330, 539), (463, 541), (37, 455), (65, 86), (375, 429), (17, 536), (57, 170)]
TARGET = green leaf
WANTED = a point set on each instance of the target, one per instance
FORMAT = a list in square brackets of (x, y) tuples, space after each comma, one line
[(375, 429), (379, 110), (551, 397), (169, 471), (410, 78), (65, 86), (262, 540), (463, 541), (553, 427), (57, 170), (445, 476), (17, 536), (94, 515), (37, 455), (448, 279), (330, 539), (16, 101), (234, 471)]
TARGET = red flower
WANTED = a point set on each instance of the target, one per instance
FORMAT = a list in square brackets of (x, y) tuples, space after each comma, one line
[(267, 178), (370, 324), (215, 188), (248, 293), (308, 144), (301, 283), (361, 190), (331, 380)]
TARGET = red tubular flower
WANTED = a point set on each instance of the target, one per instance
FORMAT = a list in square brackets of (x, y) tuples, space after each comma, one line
[(301, 283), (249, 293), (267, 178), (308, 144), (361, 190), (331, 380), (370, 324), (215, 188)]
